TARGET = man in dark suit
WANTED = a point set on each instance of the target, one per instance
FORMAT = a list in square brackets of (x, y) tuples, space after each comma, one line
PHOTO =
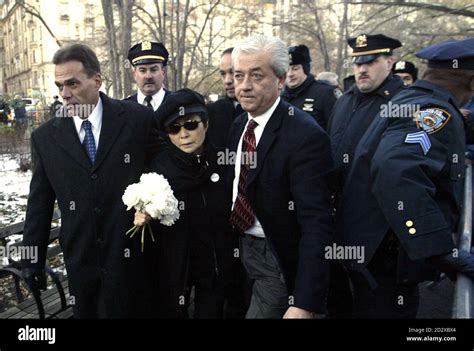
[(85, 160), (223, 112), (281, 201), (149, 62)]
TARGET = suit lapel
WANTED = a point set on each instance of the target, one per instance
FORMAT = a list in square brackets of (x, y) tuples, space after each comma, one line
[(65, 134), (236, 131), (112, 123), (268, 137)]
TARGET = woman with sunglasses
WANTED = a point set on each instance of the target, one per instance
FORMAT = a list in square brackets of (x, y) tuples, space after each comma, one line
[(198, 249)]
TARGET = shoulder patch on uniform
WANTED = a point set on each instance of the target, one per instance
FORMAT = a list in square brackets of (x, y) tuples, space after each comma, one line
[(419, 138), (432, 120), (337, 93)]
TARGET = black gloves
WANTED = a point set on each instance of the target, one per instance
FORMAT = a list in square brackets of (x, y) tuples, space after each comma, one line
[(452, 263), (35, 278)]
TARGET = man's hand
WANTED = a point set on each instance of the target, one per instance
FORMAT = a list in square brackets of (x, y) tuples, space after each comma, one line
[(35, 278), (295, 312), (455, 262)]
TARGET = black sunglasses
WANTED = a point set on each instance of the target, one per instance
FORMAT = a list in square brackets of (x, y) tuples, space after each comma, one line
[(176, 128)]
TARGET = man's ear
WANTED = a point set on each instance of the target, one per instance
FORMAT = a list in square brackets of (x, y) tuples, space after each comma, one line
[(98, 80), (390, 61), (281, 81)]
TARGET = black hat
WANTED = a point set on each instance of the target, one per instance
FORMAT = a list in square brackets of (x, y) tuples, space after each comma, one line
[(299, 55), (178, 104), (366, 47), (148, 52), (405, 67), (451, 54)]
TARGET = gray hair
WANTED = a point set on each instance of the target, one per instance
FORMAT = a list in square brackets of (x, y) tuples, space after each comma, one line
[(275, 47)]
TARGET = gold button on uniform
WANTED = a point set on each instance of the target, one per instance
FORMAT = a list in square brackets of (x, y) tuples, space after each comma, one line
[(412, 231), (409, 224)]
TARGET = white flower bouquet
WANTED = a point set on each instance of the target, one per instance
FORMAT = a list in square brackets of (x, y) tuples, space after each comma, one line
[(154, 196)]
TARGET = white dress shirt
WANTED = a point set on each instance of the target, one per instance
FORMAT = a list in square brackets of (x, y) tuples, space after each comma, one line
[(262, 121), (96, 120), (156, 100)]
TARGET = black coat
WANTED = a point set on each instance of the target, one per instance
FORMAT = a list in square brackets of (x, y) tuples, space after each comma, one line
[(289, 192), (315, 97), (199, 185), (222, 114), (105, 268), (394, 187), (351, 116)]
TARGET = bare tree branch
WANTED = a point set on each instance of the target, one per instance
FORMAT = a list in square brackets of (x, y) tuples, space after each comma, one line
[(425, 6), (34, 12)]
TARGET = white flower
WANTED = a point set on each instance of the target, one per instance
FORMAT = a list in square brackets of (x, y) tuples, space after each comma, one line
[(132, 195), (154, 195)]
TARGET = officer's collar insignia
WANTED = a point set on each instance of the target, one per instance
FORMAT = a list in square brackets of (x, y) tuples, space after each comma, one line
[(361, 41), (400, 65), (431, 120), (419, 138), (337, 93), (146, 45)]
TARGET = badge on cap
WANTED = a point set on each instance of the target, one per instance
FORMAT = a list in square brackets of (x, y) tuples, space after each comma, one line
[(419, 138), (361, 41), (215, 177), (400, 65), (290, 58), (432, 120), (146, 45)]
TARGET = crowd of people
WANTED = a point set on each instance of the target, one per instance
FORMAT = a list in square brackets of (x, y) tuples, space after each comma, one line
[(277, 179)]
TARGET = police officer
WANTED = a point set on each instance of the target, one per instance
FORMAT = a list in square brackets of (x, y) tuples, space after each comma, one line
[(303, 91), (352, 114), (407, 71), (149, 62), (355, 110), (223, 112), (403, 196)]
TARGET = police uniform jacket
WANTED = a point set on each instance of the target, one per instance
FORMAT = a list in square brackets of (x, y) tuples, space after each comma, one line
[(315, 97), (352, 115), (407, 179)]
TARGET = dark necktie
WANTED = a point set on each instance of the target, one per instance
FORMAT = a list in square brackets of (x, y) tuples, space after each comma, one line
[(89, 142), (243, 216), (148, 99)]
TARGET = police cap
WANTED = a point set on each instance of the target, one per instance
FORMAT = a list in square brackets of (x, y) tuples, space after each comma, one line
[(450, 54), (366, 47), (148, 52)]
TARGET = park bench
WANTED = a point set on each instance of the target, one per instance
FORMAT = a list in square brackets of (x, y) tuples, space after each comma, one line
[(49, 304)]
